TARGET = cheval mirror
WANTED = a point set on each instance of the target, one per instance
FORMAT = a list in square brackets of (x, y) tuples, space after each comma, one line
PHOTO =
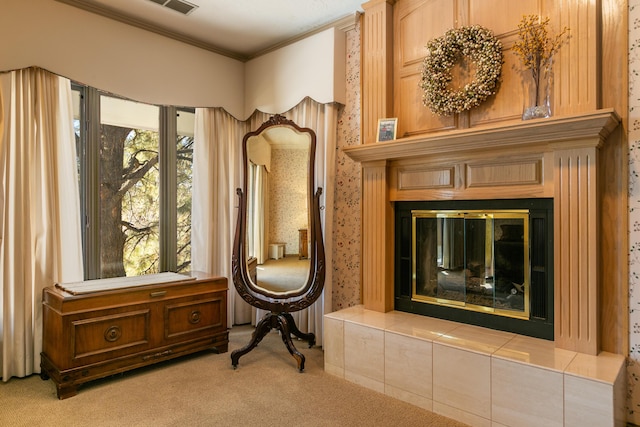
[(278, 200)]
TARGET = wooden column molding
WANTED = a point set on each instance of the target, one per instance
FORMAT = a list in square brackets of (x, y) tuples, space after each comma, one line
[(377, 238), (576, 243), (377, 65)]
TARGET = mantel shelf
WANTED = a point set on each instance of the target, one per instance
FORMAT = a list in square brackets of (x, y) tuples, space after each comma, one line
[(594, 127)]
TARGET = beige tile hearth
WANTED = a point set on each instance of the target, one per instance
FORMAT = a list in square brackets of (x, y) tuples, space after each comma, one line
[(592, 386), (475, 375), (407, 364), (525, 395), (475, 339), (462, 379), (536, 352), (364, 355), (334, 346)]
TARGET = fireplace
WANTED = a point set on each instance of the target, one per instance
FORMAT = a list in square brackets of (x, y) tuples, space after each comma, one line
[(577, 161), (482, 262)]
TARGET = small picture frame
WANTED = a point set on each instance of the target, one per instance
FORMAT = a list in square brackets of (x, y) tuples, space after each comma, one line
[(387, 129)]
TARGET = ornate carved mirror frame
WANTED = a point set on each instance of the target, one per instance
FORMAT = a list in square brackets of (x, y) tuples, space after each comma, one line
[(279, 304)]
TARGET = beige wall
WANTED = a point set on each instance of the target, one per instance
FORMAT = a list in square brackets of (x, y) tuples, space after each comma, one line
[(313, 67), (116, 57), (151, 68)]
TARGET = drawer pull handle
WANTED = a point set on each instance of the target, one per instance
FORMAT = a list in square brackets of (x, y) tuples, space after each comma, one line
[(158, 294), (113, 334), (195, 317)]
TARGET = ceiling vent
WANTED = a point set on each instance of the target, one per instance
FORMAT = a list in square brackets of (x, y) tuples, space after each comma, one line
[(181, 6)]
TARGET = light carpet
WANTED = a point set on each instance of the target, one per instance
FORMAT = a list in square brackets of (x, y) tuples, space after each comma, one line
[(204, 390)]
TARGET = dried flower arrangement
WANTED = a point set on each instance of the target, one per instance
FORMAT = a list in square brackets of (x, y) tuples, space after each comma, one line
[(475, 43), (536, 46)]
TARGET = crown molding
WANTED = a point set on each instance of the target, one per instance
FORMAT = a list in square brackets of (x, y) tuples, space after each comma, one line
[(150, 26), (344, 24)]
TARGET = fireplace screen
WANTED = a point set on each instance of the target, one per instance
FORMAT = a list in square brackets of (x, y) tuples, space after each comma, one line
[(476, 259)]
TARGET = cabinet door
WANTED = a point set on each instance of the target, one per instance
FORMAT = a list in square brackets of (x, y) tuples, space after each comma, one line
[(106, 334), (194, 317)]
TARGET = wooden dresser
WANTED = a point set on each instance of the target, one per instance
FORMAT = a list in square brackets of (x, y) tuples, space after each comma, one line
[(101, 329)]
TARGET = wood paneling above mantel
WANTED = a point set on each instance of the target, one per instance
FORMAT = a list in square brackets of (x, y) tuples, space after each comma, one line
[(565, 158)]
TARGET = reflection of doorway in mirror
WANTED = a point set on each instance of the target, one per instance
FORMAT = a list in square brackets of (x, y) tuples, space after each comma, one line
[(288, 209)]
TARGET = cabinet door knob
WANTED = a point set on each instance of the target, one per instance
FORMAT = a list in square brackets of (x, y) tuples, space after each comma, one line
[(113, 333)]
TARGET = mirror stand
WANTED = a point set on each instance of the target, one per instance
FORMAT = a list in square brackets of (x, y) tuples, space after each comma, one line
[(284, 323), (281, 154)]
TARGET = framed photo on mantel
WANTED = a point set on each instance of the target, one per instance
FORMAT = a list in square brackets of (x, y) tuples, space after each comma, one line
[(387, 129)]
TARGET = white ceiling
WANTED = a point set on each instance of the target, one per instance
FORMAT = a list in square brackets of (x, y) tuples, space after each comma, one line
[(238, 28)]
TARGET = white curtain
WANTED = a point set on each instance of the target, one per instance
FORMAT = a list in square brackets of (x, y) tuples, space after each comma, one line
[(258, 221), (40, 241), (217, 161), (217, 173)]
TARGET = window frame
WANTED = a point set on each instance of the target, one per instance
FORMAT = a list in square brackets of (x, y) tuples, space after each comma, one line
[(89, 180)]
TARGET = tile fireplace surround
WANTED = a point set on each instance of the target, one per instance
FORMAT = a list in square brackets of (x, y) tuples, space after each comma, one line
[(479, 376)]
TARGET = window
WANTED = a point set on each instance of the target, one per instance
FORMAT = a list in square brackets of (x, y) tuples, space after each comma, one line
[(184, 183), (135, 166)]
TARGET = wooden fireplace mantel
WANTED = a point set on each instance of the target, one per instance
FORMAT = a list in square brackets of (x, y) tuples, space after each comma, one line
[(576, 160), (598, 124)]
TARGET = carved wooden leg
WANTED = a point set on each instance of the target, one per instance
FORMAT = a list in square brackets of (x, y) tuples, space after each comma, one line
[(262, 329), (66, 390), (309, 337), (284, 327), (284, 323), (221, 348)]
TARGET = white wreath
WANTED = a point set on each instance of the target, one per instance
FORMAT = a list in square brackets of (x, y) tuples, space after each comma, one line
[(480, 46)]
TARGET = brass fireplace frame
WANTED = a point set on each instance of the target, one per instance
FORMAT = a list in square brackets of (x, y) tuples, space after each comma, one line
[(489, 279)]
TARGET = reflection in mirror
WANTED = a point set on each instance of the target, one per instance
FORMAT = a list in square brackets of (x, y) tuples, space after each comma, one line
[(278, 208), (278, 261)]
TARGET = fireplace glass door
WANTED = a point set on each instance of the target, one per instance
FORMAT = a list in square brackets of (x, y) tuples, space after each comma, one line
[(475, 260)]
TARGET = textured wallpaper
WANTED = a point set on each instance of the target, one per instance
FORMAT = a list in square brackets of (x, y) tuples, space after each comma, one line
[(633, 367), (346, 227), (288, 197)]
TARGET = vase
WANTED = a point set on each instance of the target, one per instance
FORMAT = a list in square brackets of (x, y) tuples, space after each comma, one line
[(537, 92)]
